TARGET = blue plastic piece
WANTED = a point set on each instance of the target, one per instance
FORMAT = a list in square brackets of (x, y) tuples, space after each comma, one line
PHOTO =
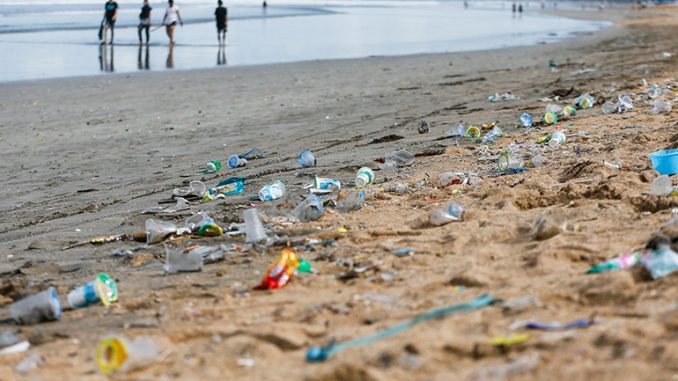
[(665, 162)]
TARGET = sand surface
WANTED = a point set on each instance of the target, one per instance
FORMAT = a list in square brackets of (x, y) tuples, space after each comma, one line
[(81, 158)]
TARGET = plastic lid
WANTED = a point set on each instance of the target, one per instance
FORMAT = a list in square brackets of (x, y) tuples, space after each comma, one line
[(473, 132), (111, 354), (304, 266), (108, 290)]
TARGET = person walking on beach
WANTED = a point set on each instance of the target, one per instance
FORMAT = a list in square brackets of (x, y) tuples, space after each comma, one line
[(520, 9), (110, 15), (145, 22), (170, 20), (221, 13)]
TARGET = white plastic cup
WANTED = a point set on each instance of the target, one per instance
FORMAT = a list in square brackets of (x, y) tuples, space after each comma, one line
[(43, 306)]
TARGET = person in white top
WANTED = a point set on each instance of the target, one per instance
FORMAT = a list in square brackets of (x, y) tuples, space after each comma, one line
[(170, 20)]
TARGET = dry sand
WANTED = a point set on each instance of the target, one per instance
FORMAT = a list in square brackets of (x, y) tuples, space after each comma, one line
[(82, 156)]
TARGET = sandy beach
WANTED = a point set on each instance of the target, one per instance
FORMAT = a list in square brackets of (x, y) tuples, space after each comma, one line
[(82, 156)]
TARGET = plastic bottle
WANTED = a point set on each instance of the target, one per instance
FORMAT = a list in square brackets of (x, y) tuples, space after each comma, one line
[(212, 166), (403, 158), (365, 176), (254, 229), (353, 201), (272, 191), (306, 159), (234, 161), (310, 209), (526, 120), (507, 161), (550, 118), (557, 138), (120, 354), (175, 261), (451, 212), (101, 290), (36, 308), (156, 231), (492, 135)]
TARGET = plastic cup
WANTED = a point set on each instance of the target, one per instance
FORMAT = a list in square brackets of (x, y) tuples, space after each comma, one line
[(103, 289), (234, 161), (176, 262), (306, 159), (42, 306), (557, 138), (119, 354), (254, 230)]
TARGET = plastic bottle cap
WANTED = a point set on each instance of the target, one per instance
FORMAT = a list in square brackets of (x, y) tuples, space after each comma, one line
[(473, 132), (111, 354), (304, 266)]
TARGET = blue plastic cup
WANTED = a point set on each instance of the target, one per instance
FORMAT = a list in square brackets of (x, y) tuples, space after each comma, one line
[(665, 162)]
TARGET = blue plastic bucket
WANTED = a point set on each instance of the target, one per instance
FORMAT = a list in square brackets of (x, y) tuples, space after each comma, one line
[(665, 162)]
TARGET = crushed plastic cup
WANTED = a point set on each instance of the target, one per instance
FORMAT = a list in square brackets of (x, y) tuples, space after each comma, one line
[(569, 110), (212, 166), (507, 161), (625, 103), (557, 138), (326, 184), (228, 187), (424, 127), (310, 209), (389, 166), (272, 191), (118, 354), (526, 120), (538, 160), (235, 161), (102, 290), (403, 158), (550, 118), (661, 262), (450, 213), (306, 159), (662, 186), (352, 201), (43, 306), (450, 178), (459, 131), (397, 188), (491, 136), (176, 261), (554, 108), (195, 188), (584, 101), (659, 106), (156, 230), (280, 273), (254, 229), (609, 108), (365, 176)]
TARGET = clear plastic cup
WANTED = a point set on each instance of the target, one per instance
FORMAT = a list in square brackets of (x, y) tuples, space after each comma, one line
[(156, 231), (119, 354), (101, 290), (175, 261), (42, 306), (254, 229)]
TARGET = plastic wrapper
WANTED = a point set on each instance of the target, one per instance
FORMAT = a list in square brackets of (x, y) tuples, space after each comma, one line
[(306, 159), (450, 213), (310, 209), (281, 271)]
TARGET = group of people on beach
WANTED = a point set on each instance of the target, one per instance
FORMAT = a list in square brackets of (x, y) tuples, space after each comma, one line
[(169, 20)]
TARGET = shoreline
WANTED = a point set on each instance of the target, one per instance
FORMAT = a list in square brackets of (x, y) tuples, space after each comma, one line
[(85, 155)]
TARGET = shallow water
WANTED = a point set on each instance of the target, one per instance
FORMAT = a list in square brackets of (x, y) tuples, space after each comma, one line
[(282, 33)]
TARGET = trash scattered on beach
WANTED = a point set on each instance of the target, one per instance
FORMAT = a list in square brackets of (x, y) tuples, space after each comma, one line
[(118, 354), (424, 127), (306, 159)]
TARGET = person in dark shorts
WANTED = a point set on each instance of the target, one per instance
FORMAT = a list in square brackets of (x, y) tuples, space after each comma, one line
[(170, 20), (145, 22), (221, 14), (110, 15)]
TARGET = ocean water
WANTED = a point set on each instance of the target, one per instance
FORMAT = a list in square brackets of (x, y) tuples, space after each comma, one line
[(58, 38)]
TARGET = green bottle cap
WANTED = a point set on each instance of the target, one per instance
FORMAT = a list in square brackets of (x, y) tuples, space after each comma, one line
[(304, 266)]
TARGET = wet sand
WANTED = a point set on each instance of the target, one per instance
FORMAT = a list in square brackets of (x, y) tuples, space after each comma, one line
[(83, 156)]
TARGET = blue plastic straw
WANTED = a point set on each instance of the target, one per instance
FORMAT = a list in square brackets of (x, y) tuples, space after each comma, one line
[(317, 354)]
